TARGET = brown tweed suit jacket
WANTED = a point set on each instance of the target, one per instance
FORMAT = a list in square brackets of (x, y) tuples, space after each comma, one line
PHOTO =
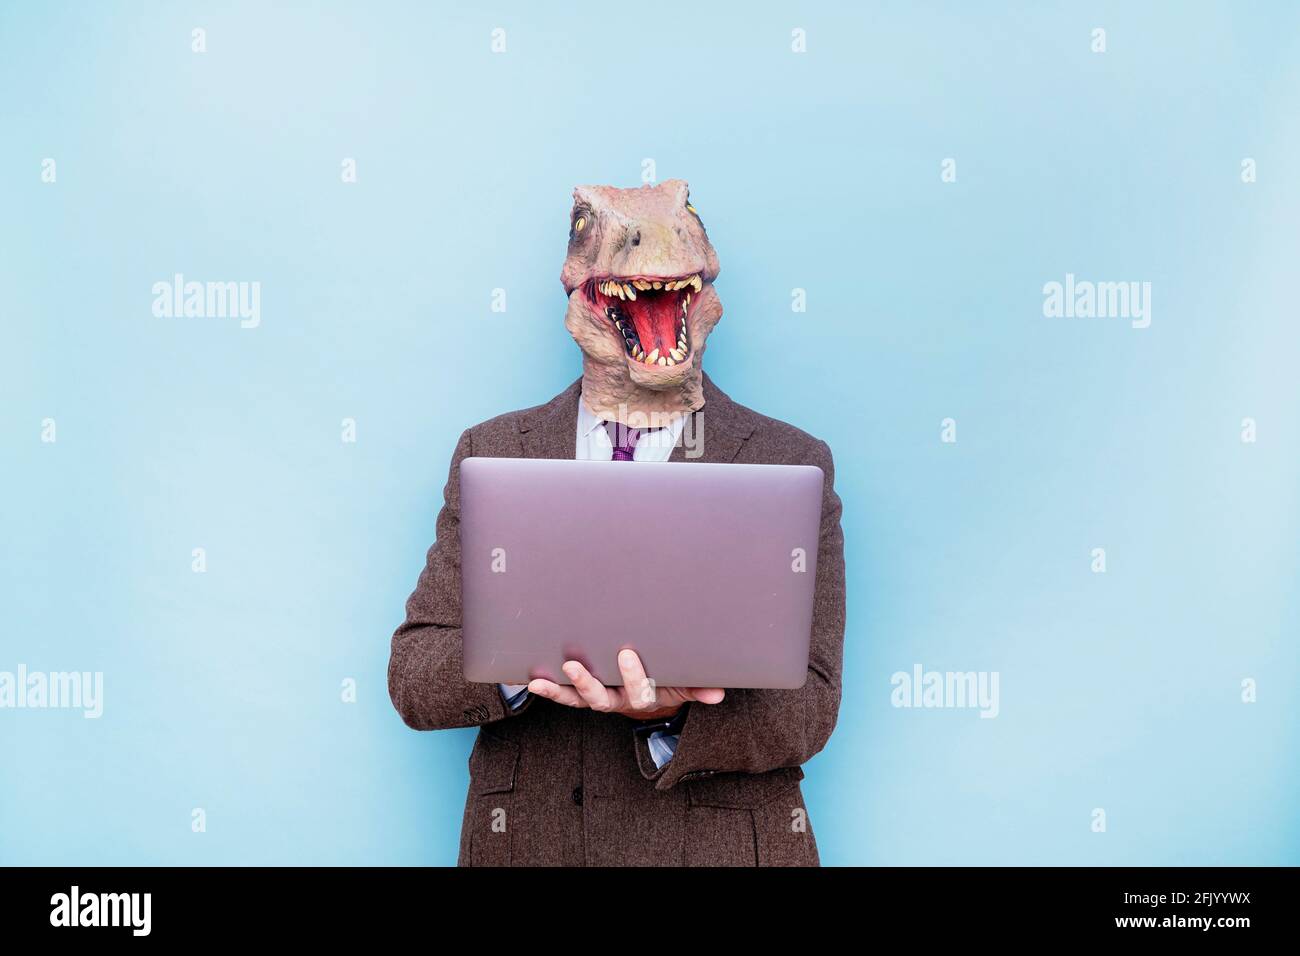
[(553, 785)]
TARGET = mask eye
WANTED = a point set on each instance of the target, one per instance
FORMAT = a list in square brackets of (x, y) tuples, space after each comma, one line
[(691, 210), (580, 224)]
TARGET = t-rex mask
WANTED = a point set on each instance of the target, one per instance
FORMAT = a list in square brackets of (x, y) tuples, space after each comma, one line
[(639, 275)]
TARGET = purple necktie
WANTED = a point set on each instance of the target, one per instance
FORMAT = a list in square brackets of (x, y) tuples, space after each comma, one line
[(623, 439)]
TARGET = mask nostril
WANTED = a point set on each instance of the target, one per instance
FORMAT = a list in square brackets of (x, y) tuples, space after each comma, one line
[(636, 238)]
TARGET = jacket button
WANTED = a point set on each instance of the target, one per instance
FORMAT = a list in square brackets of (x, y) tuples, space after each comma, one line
[(577, 795)]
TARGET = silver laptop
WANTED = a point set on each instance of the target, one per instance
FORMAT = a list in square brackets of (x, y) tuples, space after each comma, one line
[(705, 570)]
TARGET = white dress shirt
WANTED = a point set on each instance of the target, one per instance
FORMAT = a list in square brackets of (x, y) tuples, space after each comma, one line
[(592, 443)]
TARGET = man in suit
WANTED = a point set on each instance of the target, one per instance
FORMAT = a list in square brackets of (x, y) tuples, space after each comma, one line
[(638, 774)]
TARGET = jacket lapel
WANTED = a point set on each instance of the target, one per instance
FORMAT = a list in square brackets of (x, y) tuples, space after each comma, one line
[(718, 430), (551, 430)]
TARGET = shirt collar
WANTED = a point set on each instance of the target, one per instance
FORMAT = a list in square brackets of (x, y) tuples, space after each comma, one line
[(589, 421)]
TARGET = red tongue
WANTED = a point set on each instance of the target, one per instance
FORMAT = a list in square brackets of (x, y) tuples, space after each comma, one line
[(654, 316)]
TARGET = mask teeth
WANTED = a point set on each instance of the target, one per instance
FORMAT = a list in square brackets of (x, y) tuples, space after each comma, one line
[(632, 342), (626, 289)]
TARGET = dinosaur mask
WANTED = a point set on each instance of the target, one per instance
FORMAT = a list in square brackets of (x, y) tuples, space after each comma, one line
[(639, 276)]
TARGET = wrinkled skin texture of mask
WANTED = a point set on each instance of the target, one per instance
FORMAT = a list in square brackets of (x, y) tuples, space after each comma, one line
[(639, 276)]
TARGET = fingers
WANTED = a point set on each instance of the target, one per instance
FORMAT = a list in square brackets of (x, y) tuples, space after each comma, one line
[(596, 694), (639, 694), (640, 689), (556, 692), (706, 695)]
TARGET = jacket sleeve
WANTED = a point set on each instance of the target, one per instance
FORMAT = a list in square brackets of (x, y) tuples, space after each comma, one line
[(753, 731), (425, 675)]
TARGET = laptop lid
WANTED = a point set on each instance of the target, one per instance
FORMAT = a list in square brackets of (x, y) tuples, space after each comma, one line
[(706, 570)]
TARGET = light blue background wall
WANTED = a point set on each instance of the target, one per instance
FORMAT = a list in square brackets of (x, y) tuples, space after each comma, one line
[(819, 171)]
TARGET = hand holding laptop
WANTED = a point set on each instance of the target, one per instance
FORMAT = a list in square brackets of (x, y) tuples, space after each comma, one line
[(639, 696)]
